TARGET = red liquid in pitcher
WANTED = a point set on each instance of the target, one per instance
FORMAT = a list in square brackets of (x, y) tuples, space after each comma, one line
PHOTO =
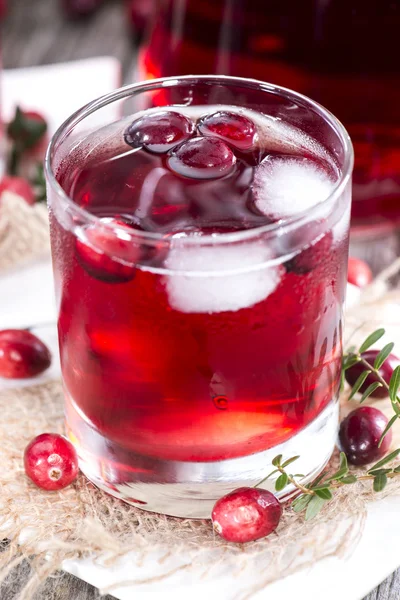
[(180, 349), (342, 53)]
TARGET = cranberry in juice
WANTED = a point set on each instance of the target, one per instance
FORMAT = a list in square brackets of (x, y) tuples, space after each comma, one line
[(342, 53), (185, 337)]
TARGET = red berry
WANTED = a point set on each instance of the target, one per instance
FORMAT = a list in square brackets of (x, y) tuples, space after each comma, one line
[(386, 372), (359, 273), (51, 461), (80, 8), (19, 186), (159, 131), (246, 514), (359, 435), (22, 354), (202, 158), (106, 254), (232, 127)]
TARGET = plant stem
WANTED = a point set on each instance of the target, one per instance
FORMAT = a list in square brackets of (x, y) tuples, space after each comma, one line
[(295, 483)]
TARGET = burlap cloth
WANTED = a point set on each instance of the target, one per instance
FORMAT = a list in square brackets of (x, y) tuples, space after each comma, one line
[(47, 528)]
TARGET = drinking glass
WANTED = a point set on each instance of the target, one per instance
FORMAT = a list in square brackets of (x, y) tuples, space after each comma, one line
[(190, 361)]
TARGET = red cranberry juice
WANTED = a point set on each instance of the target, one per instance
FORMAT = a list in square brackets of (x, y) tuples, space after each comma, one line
[(343, 53), (206, 350)]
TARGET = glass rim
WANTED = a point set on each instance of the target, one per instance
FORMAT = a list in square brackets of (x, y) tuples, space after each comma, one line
[(134, 89)]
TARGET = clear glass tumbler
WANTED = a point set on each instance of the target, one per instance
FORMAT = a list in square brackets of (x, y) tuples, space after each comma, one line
[(196, 349)]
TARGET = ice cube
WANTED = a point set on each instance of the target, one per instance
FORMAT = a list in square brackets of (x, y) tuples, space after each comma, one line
[(285, 186), (216, 279)]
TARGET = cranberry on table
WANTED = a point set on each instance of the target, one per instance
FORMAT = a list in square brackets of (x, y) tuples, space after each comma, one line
[(359, 273), (22, 354), (158, 132), (107, 254), (19, 186), (232, 127), (51, 462), (359, 435), (202, 158), (386, 372), (246, 514)]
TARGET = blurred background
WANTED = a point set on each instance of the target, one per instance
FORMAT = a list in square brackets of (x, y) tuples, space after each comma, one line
[(342, 53)]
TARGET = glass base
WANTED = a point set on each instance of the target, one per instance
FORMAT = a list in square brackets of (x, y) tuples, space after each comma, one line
[(190, 489)]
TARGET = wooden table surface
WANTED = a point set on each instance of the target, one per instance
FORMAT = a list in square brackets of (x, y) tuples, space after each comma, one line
[(35, 33)]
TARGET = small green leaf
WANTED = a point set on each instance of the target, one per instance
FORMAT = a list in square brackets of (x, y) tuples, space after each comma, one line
[(396, 408), (358, 383), (394, 384), (347, 479), (386, 459), (324, 493), (301, 502), (289, 461), (350, 361), (281, 482), (370, 390), (382, 356), (317, 480), (397, 469), (343, 469), (379, 471), (277, 460), (380, 482), (314, 506), (388, 426), (371, 339), (342, 380)]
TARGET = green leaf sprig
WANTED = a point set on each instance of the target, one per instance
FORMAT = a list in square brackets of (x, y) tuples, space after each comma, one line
[(313, 497)]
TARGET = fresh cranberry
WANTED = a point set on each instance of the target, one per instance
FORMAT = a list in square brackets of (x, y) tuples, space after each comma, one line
[(246, 514), (359, 273), (159, 131), (386, 372), (51, 461), (202, 158), (232, 127), (359, 435), (22, 354), (312, 256), (107, 254), (19, 186), (80, 8)]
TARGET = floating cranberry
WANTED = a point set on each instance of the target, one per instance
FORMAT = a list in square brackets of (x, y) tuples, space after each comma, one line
[(19, 186), (159, 131), (76, 9), (312, 256), (22, 354), (386, 372), (359, 435), (231, 127), (51, 461), (246, 514), (202, 158), (107, 254), (359, 273)]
